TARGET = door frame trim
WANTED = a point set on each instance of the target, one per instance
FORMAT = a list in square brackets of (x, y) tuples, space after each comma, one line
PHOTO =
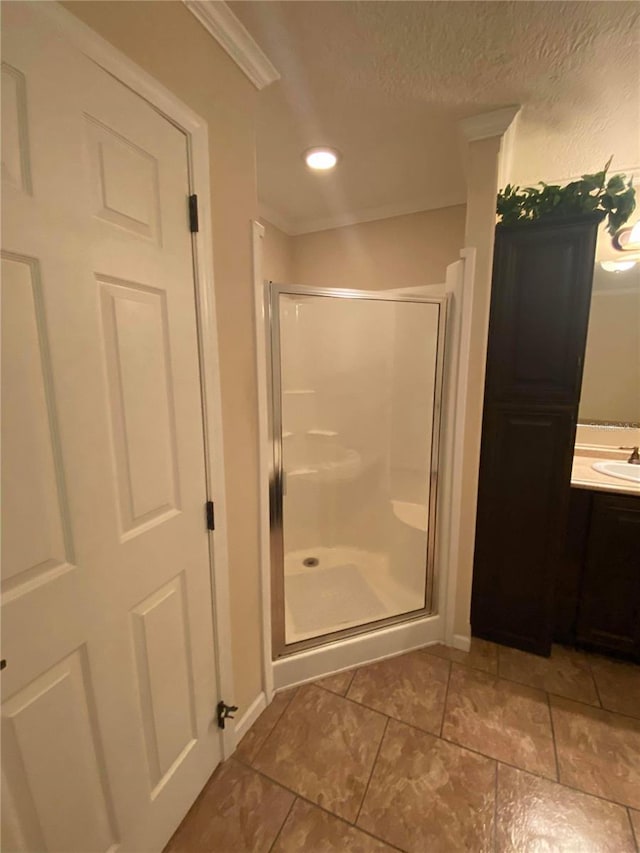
[(195, 128), (264, 455)]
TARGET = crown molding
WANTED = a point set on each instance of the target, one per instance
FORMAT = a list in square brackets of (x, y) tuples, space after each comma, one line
[(357, 217), (220, 22), (274, 217), (372, 214), (485, 125)]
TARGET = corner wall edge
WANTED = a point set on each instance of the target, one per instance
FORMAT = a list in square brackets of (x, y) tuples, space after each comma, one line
[(486, 125)]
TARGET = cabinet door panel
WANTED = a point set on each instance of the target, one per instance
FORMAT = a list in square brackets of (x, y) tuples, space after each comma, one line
[(571, 566), (522, 505), (540, 306), (609, 613)]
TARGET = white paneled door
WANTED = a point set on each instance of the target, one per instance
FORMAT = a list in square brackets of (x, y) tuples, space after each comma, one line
[(109, 692)]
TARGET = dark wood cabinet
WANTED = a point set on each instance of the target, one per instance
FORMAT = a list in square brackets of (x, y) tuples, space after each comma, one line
[(570, 572), (540, 298), (608, 611), (524, 476), (541, 294)]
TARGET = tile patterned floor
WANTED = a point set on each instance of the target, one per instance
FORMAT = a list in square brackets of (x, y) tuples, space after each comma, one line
[(502, 719), (436, 751)]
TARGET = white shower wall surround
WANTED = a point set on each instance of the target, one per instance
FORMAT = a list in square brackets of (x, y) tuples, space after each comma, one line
[(357, 383)]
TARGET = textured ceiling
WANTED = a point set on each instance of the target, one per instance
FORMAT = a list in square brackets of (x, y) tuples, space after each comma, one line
[(386, 83)]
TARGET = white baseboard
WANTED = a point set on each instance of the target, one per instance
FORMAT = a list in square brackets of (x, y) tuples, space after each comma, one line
[(461, 641), (244, 723), (356, 651)]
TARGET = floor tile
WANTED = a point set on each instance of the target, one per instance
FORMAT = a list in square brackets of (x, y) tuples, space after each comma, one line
[(338, 683), (250, 744), (537, 815), (501, 719), (482, 654), (566, 672), (618, 684), (411, 688), (635, 822), (429, 795), (323, 747), (238, 810), (598, 751), (308, 828)]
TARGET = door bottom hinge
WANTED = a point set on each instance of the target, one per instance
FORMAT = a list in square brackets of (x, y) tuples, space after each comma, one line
[(211, 519), (224, 713)]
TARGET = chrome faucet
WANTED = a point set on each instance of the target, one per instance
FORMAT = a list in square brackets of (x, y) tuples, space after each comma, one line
[(634, 459)]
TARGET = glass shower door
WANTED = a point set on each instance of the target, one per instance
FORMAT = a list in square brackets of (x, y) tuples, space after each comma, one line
[(356, 401)]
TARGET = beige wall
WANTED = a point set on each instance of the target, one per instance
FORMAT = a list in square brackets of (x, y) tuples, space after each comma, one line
[(277, 259), (168, 42), (403, 251)]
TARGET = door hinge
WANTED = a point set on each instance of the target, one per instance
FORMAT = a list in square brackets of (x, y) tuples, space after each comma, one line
[(193, 214), (224, 713), (211, 521)]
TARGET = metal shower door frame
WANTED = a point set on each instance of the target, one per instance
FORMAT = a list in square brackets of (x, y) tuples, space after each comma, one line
[(272, 294)]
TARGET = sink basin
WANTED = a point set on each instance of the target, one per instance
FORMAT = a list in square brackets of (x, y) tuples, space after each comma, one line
[(619, 469)]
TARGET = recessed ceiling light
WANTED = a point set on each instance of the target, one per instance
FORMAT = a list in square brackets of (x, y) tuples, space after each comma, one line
[(321, 159)]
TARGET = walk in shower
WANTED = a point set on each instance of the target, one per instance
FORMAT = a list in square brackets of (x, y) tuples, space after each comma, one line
[(356, 384)]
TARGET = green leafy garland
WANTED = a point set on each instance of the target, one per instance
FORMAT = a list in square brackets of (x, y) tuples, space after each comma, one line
[(616, 198)]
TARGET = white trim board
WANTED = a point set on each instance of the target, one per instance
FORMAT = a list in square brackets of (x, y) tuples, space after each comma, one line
[(195, 129), (460, 338), (220, 22), (244, 723), (264, 450), (461, 641), (357, 651), (486, 125)]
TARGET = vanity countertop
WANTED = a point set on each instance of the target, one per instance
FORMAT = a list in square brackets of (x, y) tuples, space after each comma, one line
[(583, 476)]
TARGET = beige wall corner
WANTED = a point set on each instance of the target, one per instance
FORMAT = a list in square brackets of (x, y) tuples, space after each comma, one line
[(489, 142), (169, 43), (277, 259)]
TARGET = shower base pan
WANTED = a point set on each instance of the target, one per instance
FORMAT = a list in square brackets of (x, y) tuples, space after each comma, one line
[(347, 588)]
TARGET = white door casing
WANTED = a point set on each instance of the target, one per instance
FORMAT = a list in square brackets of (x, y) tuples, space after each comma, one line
[(109, 695)]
